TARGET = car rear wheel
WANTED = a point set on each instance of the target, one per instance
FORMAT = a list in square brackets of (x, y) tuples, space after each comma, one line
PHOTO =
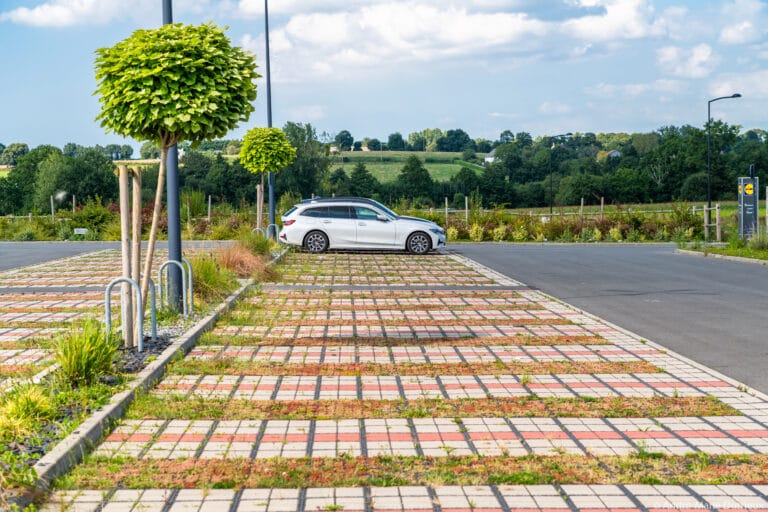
[(418, 243), (316, 242)]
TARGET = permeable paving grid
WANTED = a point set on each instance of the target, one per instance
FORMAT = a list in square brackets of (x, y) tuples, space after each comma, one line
[(366, 382), (38, 302)]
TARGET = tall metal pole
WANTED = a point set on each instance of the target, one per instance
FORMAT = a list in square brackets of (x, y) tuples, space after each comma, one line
[(709, 156), (172, 203), (271, 231)]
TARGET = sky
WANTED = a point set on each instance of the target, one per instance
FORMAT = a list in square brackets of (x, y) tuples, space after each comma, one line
[(375, 67)]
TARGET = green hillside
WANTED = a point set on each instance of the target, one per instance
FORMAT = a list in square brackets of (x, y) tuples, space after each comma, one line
[(386, 165)]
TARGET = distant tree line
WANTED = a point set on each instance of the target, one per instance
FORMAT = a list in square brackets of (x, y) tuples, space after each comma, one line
[(664, 165)]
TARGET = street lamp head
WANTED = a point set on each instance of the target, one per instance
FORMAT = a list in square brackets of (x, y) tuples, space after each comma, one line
[(737, 95)]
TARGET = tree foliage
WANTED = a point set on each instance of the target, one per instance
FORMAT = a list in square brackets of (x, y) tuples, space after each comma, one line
[(310, 167), (266, 150), (344, 140), (175, 83)]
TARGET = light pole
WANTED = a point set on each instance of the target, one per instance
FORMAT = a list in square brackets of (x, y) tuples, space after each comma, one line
[(709, 153), (271, 231), (173, 203), (551, 188)]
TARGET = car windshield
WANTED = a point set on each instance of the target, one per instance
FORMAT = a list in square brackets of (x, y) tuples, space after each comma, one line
[(386, 210)]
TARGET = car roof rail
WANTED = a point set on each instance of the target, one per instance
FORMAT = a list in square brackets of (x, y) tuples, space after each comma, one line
[(339, 199)]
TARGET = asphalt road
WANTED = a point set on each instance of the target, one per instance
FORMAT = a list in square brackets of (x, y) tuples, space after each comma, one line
[(712, 311), (21, 254)]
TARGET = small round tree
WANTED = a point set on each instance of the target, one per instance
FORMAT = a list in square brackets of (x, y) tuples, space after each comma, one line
[(173, 84), (265, 150)]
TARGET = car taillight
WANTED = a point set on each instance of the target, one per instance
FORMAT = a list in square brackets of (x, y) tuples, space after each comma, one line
[(289, 222)]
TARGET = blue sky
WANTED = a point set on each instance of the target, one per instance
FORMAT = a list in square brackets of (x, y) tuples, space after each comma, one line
[(378, 66)]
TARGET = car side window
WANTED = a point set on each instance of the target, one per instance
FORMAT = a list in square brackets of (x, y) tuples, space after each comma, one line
[(361, 212), (338, 212), (321, 211)]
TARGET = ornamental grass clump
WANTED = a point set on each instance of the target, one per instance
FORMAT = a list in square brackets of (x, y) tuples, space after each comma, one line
[(85, 353), (212, 281), (22, 410)]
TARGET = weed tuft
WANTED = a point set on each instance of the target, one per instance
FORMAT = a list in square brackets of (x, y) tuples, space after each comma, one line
[(85, 353)]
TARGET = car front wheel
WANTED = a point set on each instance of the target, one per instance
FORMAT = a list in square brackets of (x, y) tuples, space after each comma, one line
[(418, 243), (316, 242)]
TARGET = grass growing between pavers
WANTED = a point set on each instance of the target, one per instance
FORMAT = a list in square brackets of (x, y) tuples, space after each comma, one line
[(219, 338), (229, 366), (263, 312), (22, 371), (101, 473), (42, 323), (179, 406), (25, 344)]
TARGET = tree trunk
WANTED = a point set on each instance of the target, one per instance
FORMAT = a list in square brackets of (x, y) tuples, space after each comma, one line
[(155, 222), (260, 203)]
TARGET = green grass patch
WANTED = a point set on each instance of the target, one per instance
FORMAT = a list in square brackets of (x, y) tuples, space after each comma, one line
[(103, 473), (386, 165), (230, 366), (177, 406)]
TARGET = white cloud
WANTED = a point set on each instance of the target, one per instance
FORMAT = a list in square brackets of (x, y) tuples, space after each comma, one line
[(659, 87), (698, 62), (739, 33), (63, 13), (753, 85), (744, 19), (554, 108), (390, 33), (307, 113), (622, 19), (68, 13)]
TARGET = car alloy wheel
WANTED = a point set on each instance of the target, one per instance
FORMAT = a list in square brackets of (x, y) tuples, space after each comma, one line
[(419, 243), (316, 242)]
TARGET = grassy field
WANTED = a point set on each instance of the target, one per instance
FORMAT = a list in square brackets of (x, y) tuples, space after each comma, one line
[(4, 172), (386, 165)]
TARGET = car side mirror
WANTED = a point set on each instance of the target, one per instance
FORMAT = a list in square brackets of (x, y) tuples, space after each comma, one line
[(382, 218)]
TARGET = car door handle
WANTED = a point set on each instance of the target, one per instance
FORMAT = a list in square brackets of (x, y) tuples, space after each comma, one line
[(327, 221), (362, 224)]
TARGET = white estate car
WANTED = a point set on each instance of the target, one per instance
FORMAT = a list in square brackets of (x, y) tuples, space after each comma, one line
[(357, 223)]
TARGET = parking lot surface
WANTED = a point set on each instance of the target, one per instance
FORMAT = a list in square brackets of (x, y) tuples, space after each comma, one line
[(364, 382)]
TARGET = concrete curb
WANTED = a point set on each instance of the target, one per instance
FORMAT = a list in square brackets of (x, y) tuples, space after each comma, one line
[(75, 446), (737, 259)]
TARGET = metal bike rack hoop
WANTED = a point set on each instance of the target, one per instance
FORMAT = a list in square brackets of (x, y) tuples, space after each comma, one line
[(183, 282), (190, 281), (139, 308)]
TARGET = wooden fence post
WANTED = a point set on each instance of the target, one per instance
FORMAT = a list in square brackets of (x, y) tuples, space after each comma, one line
[(602, 207), (718, 227), (446, 212), (466, 209)]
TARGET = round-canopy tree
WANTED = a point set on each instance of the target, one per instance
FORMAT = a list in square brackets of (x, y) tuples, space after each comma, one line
[(173, 84), (265, 150)]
